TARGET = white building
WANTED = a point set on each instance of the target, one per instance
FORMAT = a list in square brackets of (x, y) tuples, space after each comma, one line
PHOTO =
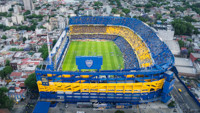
[(7, 22), (61, 23), (17, 9), (17, 19), (5, 8), (28, 4)]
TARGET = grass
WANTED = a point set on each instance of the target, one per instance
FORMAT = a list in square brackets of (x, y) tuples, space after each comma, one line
[(112, 56)]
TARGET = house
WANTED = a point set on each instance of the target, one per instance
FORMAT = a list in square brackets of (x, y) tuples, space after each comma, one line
[(195, 57), (17, 93), (15, 75)]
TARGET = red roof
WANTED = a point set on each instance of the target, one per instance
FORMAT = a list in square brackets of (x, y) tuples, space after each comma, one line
[(4, 110), (15, 74), (21, 84), (25, 76), (183, 48), (16, 88), (28, 73)]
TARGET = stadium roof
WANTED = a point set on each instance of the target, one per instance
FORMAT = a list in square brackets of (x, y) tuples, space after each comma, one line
[(42, 107)]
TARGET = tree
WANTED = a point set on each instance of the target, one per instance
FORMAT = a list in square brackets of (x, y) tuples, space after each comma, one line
[(189, 19), (24, 39), (42, 27), (144, 19), (11, 9), (4, 37), (181, 43), (8, 70), (126, 11), (44, 51), (27, 12), (114, 10), (97, 4), (5, 101), (182, 27), (2, 74), (31, 82), (196, 31), (54, 42), (119, 111), (158, 16), (7, 62)]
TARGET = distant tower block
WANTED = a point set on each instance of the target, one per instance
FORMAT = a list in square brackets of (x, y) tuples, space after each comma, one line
[(28, 4)]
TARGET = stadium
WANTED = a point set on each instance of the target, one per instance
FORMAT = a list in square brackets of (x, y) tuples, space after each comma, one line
[(107, 59)]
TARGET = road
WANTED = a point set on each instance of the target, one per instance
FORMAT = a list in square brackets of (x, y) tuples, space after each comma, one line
[(185, 101)]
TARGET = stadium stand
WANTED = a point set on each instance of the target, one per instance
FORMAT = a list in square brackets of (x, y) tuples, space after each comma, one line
[(130, 59), (93, 36), (147, 76), (148, 36), (140, 49)]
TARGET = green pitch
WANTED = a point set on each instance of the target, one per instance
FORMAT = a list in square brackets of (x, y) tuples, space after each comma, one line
[(112, 56)]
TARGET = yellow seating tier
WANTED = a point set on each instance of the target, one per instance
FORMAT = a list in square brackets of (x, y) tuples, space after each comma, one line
[(102, 87), (141, 50)]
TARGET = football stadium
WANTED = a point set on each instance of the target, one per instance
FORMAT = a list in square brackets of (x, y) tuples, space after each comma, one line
[(107, 59)]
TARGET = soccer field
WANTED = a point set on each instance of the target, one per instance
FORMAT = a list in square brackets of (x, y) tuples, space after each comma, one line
[(112, 56)]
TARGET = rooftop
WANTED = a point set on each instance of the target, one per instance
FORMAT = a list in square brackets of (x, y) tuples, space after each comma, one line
[(15, 74), (196, 55), (183, 62)]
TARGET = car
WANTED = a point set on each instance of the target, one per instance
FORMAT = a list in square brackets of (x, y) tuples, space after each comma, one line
[(179, 90)]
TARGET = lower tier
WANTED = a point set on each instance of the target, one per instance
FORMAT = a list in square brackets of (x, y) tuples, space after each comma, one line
[(133, 98)]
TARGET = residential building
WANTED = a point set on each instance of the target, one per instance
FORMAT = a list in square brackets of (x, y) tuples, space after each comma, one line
[(28, 4)]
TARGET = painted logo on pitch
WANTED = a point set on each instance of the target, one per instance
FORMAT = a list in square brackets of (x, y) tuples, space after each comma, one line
[(89, 63)]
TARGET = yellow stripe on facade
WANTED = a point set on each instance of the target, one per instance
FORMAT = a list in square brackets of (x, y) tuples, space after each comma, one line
[(145, 87)]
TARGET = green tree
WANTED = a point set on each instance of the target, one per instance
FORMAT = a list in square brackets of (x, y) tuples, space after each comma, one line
[(11, 9), (37, 8), (54, 42), (24, 39), (5, 101), (126, 11), (31, 82), (189, 19), (114, 10), (98, 4), (4, 37), (44, 51), (158, 16), (196, 31), (182, 27), (119, 111), (2, 74), (7, 62), (42, 27), (181, 43), (8, 70), (27, 12), (144, 19)]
